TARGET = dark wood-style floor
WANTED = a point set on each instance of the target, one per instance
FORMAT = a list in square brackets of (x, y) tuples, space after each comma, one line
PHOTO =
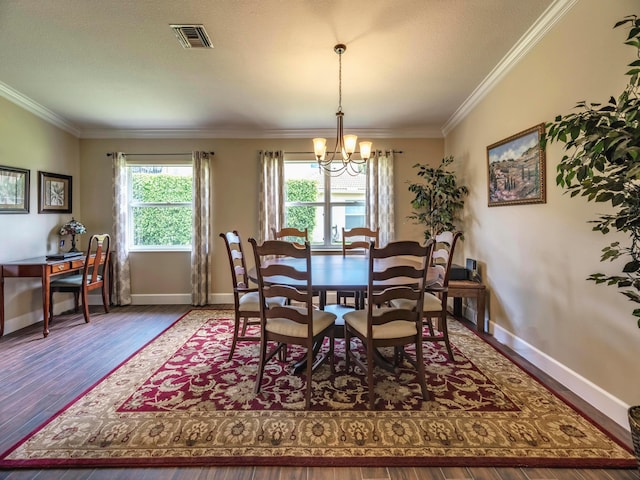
[(40, 376)]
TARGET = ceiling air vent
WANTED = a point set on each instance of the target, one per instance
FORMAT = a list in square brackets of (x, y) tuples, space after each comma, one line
[(192, 36)]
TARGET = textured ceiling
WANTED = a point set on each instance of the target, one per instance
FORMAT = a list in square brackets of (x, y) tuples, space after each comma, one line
[(97, 66)]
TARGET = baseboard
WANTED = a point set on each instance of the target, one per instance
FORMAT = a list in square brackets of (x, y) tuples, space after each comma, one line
[(603, 401), (154, 299)]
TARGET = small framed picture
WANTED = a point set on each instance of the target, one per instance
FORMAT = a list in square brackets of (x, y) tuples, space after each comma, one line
[(14, 190), (54, 193), (516, 168)]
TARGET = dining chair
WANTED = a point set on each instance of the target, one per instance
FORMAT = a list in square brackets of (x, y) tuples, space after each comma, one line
[(94, 276), (298, 322), (397, 271), (356, 240), (292, 235), (298, 238), (246, 299), (435, 298)]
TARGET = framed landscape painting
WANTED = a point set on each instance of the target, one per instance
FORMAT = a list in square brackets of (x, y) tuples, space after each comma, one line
[(14, 190), (54, 193), (516, 168)]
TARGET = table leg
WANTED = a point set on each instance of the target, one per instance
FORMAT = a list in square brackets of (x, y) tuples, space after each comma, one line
[(1, 301), (46, 281), (480, 306)]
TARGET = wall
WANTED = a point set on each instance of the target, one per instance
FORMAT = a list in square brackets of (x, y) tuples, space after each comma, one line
[(165, 277), (28, 142), (535, 258)]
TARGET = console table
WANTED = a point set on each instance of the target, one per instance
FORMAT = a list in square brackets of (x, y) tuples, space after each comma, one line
[(38, 267), (459, 289)]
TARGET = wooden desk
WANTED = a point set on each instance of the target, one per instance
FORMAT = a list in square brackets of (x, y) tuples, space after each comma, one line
[(459, 289), (38, 267)]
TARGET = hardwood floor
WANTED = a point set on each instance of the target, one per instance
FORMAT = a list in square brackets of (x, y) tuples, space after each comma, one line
[(40, 376)]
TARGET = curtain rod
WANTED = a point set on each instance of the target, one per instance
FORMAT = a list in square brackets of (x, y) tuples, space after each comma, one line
[(154, 154), (313, 153)]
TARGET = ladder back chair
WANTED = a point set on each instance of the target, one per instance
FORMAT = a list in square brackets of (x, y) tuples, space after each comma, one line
[(298, 322), (435, 298), (290, 234), (246, 300), (436, 295), (94, 276), (397, 272), (356, 240)]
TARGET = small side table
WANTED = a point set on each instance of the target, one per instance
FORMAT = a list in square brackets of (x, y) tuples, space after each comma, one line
[(459, 289)]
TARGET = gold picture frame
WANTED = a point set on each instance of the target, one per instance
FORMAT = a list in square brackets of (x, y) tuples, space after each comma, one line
[(517, 169), (54, 193)]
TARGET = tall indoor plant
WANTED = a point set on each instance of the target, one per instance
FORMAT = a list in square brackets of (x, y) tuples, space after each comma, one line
[(602, 163), (438, 198)]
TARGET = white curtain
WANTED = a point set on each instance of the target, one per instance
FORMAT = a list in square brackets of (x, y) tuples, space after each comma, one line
[(380, 204), (271, 206), (121, 293), (201, 228)]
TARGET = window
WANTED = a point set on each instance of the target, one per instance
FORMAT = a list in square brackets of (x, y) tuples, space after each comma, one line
[(322, 203), (160, 210)]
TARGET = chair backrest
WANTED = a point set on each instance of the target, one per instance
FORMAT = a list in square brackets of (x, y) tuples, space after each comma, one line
[(445, 244), (291, 281), (397, 271), (97, 259), (237, 262), (358, 239), (290, 234)]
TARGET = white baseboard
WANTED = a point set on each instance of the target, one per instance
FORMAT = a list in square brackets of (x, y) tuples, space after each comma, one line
[(603, 401)]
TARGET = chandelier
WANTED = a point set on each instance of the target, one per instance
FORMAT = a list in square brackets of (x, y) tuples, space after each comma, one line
[(341, 158)]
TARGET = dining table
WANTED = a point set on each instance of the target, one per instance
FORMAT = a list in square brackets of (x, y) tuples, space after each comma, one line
[(333, 273)]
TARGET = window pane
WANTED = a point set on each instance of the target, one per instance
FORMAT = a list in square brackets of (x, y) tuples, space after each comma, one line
[(161, 184), (347, 187), (160, 210), (162, 226), (304, 185), (347, 216), (311, 217)]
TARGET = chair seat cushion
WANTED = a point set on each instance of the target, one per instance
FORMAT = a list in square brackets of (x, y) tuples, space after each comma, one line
[(284, 326), (395, 329), (69, 281), (250, 302), (431, 303)]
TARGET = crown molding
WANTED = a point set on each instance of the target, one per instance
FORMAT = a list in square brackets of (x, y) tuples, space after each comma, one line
[(29, 105), (426, 132), (538, 30)]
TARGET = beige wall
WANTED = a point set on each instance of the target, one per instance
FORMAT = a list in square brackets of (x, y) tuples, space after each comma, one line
[(164, 277), (28, 142), (535, 258)]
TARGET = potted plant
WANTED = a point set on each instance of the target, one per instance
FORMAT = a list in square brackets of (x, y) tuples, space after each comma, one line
[(438, 199), (602, 163)]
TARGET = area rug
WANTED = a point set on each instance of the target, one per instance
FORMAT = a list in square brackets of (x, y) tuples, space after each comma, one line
[(179, 402)]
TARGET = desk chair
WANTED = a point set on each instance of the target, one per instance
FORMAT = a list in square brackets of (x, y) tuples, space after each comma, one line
[(298, 322), (356, 240), (391, 280), (93, 276)]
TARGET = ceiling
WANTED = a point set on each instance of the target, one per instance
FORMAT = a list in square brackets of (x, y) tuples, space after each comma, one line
[(101, 68)]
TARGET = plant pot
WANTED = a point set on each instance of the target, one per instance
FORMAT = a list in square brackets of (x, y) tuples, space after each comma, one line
[(634, 423)]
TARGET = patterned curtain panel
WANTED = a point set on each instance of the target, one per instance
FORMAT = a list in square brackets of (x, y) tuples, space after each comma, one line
[(271, 207), (380, 205), (201, 221), (121, 294)]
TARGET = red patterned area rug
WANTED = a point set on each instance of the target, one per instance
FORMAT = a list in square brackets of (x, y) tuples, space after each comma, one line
[(178, 401)]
